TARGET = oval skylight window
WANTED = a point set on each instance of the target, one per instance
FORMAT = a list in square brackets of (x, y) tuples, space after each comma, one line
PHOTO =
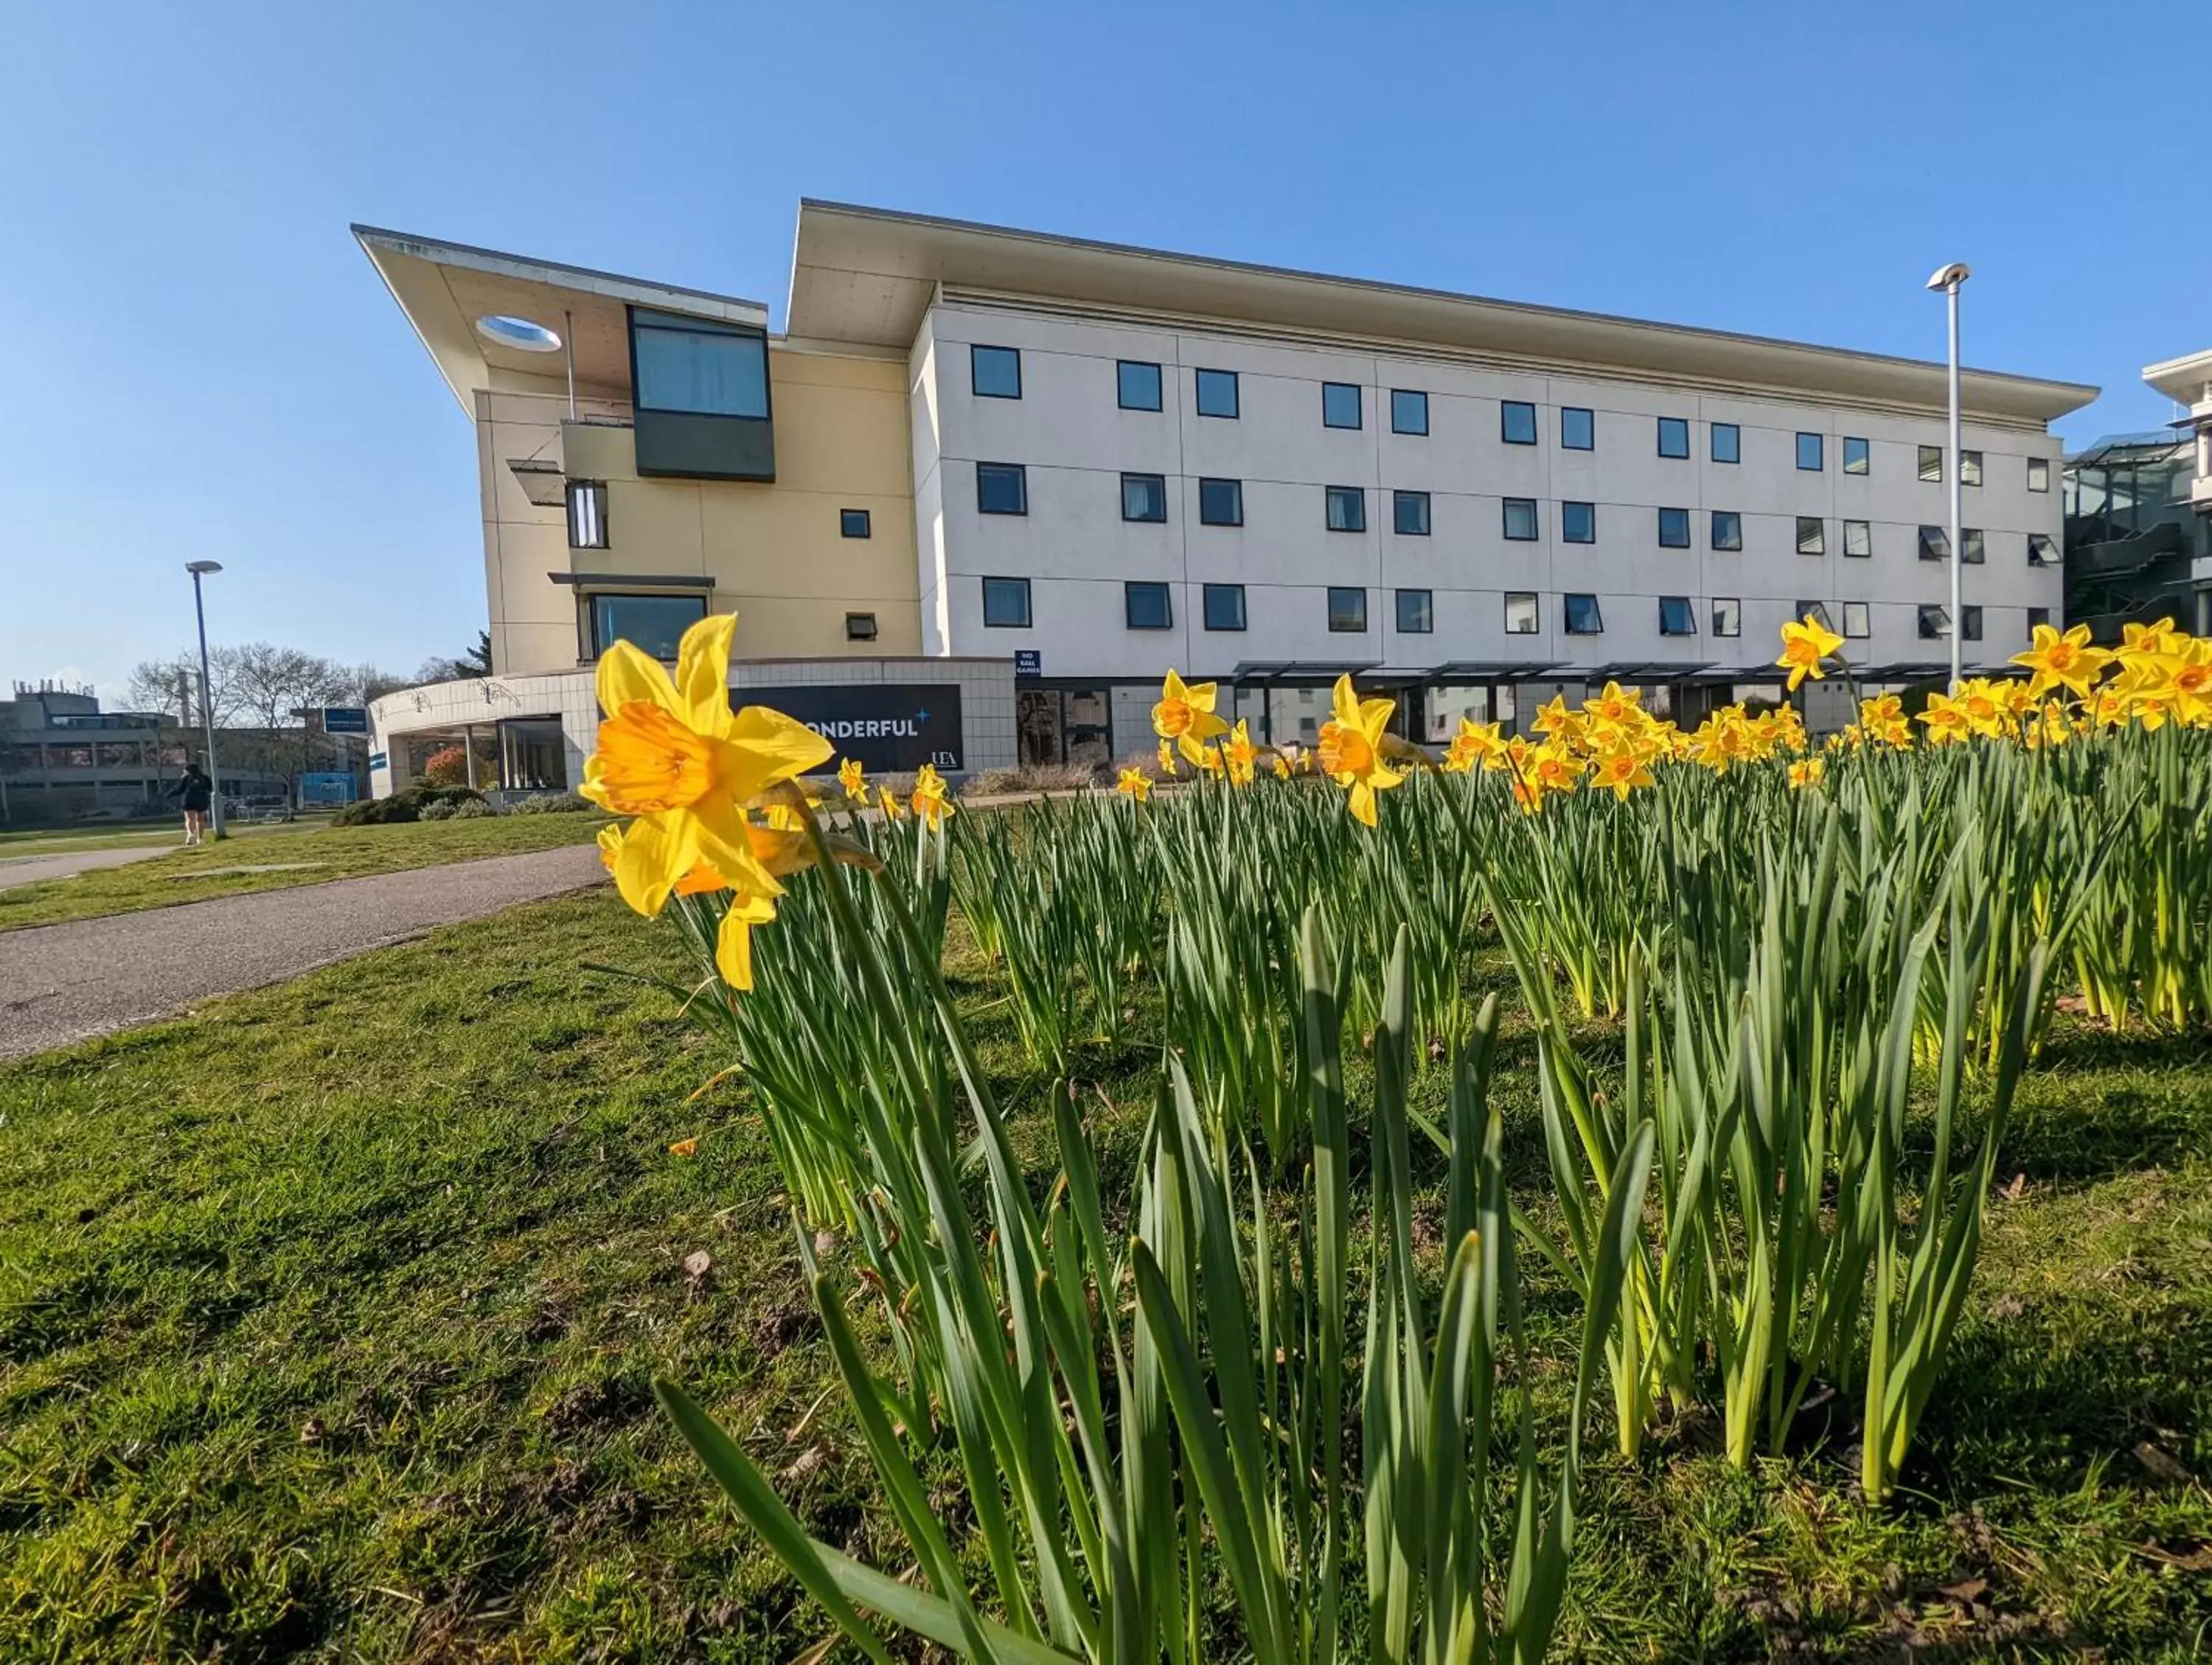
[(518, 333)]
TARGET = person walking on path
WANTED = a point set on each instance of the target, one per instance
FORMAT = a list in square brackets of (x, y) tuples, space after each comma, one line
[(193, 793)]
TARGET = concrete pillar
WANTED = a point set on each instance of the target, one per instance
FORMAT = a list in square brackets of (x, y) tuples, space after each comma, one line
[(469, 752)]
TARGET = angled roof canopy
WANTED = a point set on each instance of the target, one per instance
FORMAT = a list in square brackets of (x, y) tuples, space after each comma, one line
[(867, 274)]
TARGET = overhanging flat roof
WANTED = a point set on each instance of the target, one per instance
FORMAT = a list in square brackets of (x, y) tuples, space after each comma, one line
[(444, 287), (2185, 380), (868, 274)]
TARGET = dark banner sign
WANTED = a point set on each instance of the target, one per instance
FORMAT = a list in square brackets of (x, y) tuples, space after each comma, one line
[(887, 725)]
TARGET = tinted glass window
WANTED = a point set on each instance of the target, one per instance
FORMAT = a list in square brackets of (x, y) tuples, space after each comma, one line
[(1674, 529), (654, 624), (1674, 436), (1221, 503), (1931, 462), (1138, 385), (1409, 513), (1521, 519), (1225, 607), (1934, 623), (1935, 543), (1858, 620), (1972, 547), (1857, 456), (1002, 489), (997, 372), (1970, 624), (1579, 523), (1858, 539), (1216, 393), (1577, 429), (1584, 618), (1347, 609), (1517, 422), (1346, 510), (1728, 617), (1519, 613), (687, 365), (1812, 453), (1147, 606), (1811, 535), (1006, 603), (1416, 613), (1409, 411), (853, 522), (2039, 473), (1969, 468), (1727, 442), (1728, 528), (1144, 497), (1675, 618), (1339, 404)]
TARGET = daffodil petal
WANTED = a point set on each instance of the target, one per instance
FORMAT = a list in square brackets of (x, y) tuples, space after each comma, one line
[(655, 853), (626, 677), (703, 672), (773, 747)]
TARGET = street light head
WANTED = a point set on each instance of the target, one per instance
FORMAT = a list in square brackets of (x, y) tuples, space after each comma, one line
[(1950, 276), (196, 568)]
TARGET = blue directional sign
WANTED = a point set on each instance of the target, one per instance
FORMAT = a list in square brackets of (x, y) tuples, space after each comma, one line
[(345, 720)]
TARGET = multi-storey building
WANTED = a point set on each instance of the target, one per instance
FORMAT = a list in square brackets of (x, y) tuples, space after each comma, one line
[(1112, 461), (2139, 515), (61, 757)]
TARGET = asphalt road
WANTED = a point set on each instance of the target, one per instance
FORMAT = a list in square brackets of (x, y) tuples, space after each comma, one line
[(60, 983), (30, 869)]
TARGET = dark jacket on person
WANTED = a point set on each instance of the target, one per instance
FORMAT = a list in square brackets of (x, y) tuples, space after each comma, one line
[(194, 790)]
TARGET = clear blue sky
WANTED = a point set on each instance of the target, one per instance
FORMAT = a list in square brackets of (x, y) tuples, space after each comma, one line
[(200, 362)]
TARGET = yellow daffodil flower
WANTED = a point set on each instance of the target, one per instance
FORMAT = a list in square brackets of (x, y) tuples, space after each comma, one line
[(2063, 661), (888, 802), (1241, 755), (931, 800), (674, 755), (1476, 743), (1621, 772), (1946, 722), (1168, 759), (1805, 644), (1135, 783), (1808, 771), (1351, 749), (849, 776), (1185, 715)]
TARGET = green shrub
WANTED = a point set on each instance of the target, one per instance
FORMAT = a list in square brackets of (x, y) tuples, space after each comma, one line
[(467, 809), (551, 803), (378, 812), (438, 809)]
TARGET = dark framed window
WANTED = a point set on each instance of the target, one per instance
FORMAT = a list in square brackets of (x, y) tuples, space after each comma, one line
[(587, 514), (1006, 603), (1002, 489), (1969, 468), (1812, 452), (1858, 539), (1724, 442), (1931, 463), (1973, 548), (1347, 608), (995, 372), (1935, 543), (1517, 422), (1409, 513), (1144, 497), (1521, 613), (1409, 411), (1676, 617), (1137, 385), (1579, 523), (1816, 611), (1727, 616), (1577, 429), (2039, 474), (860, 627), (1811, 535), (1858, 621), (2037, 615), (1970, 624), (1934, 623), (654, 624), (1223, 606), (1216, 393), (1221, 503), (1674, 436), (1858, 457), (2041, 550), (1147, 606), (1728, 528), (1674, 529), (854, 523), (1416, 615), (1584, 618), (1339, 404), (1520, 526), (690, 365), (1344, 509)]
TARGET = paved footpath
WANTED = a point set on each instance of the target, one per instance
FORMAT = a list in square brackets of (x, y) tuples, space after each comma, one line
[(30, 869), (60, 983)]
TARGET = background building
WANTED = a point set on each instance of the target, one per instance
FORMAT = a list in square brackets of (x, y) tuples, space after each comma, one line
[(2139, 516), (1052, 468), (63, 758)]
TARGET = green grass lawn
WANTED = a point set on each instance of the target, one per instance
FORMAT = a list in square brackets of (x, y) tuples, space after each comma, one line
[(299, 857), (137, 835), (327, 1318)]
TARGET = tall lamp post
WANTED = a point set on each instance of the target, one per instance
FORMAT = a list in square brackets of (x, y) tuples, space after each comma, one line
[(1949, 280), (200, 569)]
